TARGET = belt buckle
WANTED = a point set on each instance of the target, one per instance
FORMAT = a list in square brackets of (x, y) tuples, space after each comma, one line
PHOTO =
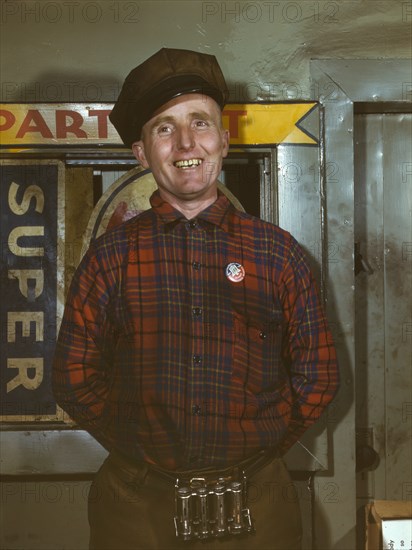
[(206, 509)]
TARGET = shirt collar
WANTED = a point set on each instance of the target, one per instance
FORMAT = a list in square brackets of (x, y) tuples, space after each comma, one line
[(215, 214)]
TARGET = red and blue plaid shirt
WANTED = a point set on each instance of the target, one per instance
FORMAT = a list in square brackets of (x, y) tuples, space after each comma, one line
[(163, 357)]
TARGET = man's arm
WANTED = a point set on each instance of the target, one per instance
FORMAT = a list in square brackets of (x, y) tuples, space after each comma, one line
[(83, 349), (308, 349)]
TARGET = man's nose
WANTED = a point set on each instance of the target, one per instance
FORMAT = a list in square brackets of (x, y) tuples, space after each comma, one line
[(185, 138)]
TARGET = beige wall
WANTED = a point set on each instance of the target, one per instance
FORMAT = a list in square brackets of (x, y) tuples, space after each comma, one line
[(69, 50)]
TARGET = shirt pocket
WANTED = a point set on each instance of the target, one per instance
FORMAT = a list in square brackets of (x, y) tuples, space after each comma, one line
[(257, 352)]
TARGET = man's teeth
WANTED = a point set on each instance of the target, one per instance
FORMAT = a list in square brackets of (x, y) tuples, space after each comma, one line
[(188, 163)]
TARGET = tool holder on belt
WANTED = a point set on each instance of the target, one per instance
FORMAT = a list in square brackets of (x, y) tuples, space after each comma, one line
[(205, 509)]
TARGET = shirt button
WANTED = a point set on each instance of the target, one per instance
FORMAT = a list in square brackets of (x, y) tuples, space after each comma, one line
[(197, 359), (192, 224), (196, 265), (197, 311), (196, 410), (262, 335)]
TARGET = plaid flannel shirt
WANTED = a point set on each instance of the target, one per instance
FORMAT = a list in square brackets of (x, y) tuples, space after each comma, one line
[(163, 357)]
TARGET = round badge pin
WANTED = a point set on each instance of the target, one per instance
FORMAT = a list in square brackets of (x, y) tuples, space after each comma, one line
[(235, 272)]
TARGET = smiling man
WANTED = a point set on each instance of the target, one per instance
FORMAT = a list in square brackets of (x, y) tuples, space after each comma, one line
[(184, 144), (193, 345)]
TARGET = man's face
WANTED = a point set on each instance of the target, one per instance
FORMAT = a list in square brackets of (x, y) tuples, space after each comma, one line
[(183, 144)]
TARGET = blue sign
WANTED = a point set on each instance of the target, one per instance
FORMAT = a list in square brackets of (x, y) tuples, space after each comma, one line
[(29, 206)]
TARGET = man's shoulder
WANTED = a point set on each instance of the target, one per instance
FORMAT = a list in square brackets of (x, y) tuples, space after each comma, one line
[(119, 237), (262, 228)]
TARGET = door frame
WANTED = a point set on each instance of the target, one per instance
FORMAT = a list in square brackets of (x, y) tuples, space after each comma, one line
[(338, 85)]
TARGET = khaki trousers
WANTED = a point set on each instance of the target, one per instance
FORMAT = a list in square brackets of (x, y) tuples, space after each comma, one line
[(132, 508)]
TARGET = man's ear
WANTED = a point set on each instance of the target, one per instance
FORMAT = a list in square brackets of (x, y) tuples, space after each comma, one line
[(138, 151), (226, 140)]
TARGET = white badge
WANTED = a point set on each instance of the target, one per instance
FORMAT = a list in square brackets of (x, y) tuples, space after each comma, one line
[(235, 272)]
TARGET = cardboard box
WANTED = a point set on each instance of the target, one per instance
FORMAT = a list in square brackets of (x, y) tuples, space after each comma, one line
[(389, 525)]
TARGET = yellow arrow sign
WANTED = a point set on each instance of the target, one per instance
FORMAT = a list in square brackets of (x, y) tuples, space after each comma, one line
[(267, 124)]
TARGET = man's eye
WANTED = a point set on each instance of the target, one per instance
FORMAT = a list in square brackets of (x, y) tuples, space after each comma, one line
[(201, 123), (164, 129)]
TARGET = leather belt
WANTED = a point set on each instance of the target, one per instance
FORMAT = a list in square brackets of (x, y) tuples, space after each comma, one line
[(248, 467)]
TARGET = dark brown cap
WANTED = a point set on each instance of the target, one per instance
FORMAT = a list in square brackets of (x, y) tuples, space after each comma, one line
[(165, 75)]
